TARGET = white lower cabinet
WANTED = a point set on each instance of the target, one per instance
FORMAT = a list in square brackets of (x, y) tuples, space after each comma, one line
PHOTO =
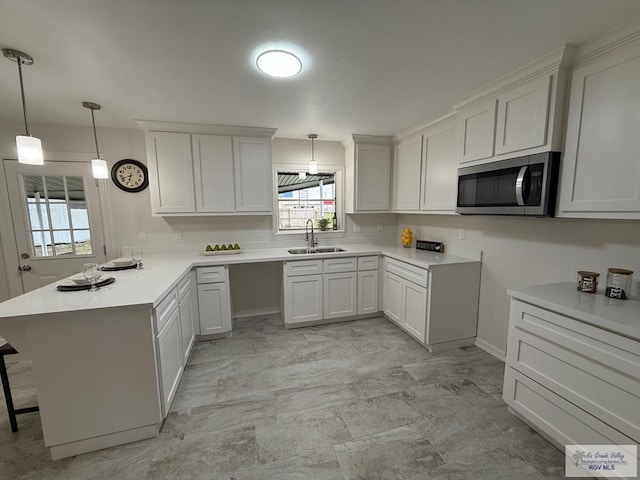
[(170, 360), (214, 300), (303, 299), (187, 321), (437, 306), (339, 294), (333, 288)]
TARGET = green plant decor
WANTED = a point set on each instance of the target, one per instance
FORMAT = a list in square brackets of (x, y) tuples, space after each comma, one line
[(323, 223)]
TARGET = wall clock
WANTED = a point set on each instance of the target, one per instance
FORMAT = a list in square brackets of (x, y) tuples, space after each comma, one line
[(130, 175)]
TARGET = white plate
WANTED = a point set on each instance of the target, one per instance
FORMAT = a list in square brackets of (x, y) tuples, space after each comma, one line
[(78, 279), (122, 262), (220, 252)]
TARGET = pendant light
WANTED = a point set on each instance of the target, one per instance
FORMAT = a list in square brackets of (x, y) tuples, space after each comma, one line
[(98, 166), (29, 148), (313, 165)]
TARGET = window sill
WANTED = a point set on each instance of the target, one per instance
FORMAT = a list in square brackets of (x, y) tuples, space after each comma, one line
[(317, 233)]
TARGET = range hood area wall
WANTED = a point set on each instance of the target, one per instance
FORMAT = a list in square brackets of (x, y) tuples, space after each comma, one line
[(520, 251)]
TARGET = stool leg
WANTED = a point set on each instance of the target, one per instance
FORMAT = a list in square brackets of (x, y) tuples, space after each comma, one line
[(7, 395)]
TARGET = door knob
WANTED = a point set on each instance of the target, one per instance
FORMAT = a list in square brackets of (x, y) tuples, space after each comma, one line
[(24, 268)]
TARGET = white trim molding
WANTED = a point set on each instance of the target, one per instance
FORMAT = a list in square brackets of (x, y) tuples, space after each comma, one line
[(491, 349), (200, 128)]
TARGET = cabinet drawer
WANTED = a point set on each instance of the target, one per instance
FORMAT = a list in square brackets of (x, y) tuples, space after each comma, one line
[(414, 274), (211, 274), (368, 263), (559, 419), (165, 308), (184, 286), (593, 369), (302, 267), (338, 265)]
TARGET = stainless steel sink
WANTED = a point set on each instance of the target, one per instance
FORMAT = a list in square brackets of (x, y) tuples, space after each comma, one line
[(299, 251)]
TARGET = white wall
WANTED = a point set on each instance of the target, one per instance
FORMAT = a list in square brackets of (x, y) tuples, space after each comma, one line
[(530, 251)]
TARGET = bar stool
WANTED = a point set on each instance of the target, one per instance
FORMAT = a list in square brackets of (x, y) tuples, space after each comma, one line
[(7, 349)]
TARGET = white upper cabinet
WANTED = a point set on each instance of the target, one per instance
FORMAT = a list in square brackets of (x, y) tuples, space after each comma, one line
[(477, 126), (439, 168), (208, 169), (520, 114), (253, 184), (600, 175), (170, 172), (368, 174), (406, 175), (213, 169)]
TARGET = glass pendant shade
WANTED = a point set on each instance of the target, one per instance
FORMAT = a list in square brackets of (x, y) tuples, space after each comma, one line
[(313, 167), (29, 150), (99, 168), (302, 175)]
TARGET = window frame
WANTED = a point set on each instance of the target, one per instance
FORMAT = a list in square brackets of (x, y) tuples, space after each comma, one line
[(338, 171)]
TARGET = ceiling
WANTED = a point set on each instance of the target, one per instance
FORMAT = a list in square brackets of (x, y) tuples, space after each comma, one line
[(370, 66)]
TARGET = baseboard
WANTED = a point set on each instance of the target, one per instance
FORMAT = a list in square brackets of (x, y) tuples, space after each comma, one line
[(327, 321), (255, 313), (491, 349)]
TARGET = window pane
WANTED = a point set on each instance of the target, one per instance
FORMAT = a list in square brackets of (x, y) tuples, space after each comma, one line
[(42, 244), (38, 218), (62, 241), (83, 242), (75, 189), (55, 188), (59, 215), (79, 214)]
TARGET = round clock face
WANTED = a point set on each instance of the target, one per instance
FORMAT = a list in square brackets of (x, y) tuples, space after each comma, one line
[(130, 175)]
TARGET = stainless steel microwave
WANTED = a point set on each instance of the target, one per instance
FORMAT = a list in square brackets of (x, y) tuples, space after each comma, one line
[(518, 186)]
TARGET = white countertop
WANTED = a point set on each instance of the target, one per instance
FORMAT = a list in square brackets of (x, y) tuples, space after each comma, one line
[(619, 316), (161, 273)]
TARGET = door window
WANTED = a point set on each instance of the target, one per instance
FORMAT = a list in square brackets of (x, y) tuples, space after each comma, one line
[(58, 220)]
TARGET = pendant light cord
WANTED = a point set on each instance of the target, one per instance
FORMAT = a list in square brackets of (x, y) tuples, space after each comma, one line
[(24, 102), (95, 134), (313, 157)]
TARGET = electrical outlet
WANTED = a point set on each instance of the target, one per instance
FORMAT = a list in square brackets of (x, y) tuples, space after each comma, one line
[(380, 227), (178, 234), (356, 228), (142, 236), (462, 234)]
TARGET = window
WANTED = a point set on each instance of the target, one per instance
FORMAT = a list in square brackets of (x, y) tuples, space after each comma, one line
[(58, 216), (299, 199)]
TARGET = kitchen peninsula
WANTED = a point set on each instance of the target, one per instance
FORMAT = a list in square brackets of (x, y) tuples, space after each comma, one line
[(101, 374)]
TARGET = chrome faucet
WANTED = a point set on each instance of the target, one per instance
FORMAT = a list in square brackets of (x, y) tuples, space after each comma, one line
[(312, 241)]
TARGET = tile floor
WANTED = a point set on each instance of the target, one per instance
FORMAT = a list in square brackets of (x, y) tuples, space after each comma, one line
[(354, 400)]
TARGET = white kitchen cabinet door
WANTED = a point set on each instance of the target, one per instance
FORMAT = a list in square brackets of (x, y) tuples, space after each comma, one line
[(340, 294), (170, 172), (393, 297), (213, 173), (373, 178), (601, 166), (303, 299), (368, 292), (187, 324), (415, 310), (214, 307), (170, 359), (253, 176), (440, 169), (406, 175), (522, 115), (477, 127)]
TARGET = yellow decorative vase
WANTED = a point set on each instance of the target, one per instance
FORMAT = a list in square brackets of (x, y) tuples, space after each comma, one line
[(407, 238)]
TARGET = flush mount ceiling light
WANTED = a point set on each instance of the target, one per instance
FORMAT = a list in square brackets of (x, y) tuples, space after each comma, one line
[(313, 165), (279, 63), (98, 166), (29, 148)]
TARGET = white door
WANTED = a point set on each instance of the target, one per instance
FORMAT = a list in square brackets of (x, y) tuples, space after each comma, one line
[(477, 127), (393, 301), (55, 210), (373, 178), (170, 357), (367, 292), (439, 170), (213, 173), (406, 175), (253, 175), (303, 299), (187, 327), (340, 294), (415, 310), (214, 306)]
